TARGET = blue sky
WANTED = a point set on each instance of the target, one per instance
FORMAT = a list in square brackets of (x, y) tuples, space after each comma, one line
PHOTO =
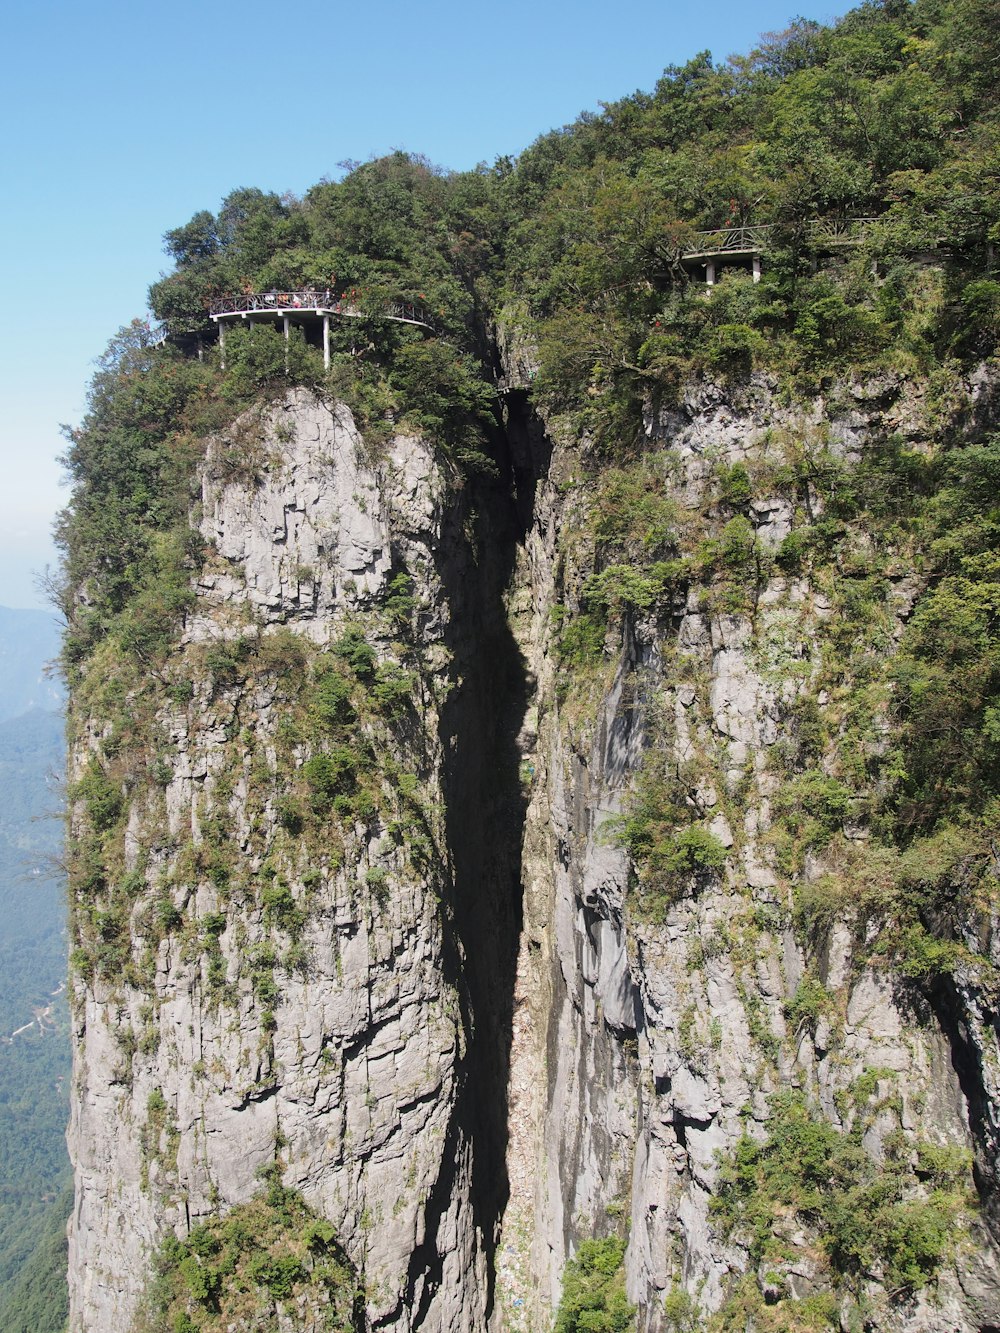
[(123, 119)]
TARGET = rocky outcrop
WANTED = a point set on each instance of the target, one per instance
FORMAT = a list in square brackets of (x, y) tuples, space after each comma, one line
[(661, 1042), (332, 1030), (445, 1013)]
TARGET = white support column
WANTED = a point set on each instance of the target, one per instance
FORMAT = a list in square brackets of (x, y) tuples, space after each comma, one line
[(222, 344), (284, 320), (326, 342), (709, 272), (756, 268)]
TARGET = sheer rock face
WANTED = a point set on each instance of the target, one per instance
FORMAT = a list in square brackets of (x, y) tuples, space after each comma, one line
[(499, 1056), (353, 1074), (658, 1043)]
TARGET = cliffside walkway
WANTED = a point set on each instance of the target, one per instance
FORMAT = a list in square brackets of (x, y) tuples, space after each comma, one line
[(749, 242), (303, 307)]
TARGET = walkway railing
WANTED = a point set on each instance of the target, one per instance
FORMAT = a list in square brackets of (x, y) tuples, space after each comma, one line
[(728, 240), (839, 231), (317, 302), (753, 239), (155, 335)]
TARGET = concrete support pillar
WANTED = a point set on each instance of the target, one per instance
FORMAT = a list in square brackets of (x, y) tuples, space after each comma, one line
[(222, 344), (326, 342), (756, 268), (284, 320), (710, 273)]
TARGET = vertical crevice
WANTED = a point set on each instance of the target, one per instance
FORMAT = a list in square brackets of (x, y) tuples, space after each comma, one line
[(485, 812), (967, 1061)]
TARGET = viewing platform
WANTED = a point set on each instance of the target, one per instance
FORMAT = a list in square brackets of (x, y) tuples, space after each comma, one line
[(712, 248), (308, 307)]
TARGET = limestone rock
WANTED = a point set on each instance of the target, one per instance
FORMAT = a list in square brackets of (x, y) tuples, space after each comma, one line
[(493, 1054)]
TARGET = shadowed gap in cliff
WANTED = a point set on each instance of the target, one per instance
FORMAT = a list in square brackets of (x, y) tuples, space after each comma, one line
[(946, 1002), (485, 811)]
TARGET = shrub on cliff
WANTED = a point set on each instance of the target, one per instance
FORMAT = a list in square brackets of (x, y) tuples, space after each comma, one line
[(593, 1291), (671, 855), (260, 361), (872, 1216), (265, 1261)]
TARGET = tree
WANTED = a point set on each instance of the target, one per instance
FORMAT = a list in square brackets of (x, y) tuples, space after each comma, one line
[(195, 241)]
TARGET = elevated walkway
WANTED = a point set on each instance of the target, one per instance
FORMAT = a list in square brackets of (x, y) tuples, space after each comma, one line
[(305, 307), (710, 249)]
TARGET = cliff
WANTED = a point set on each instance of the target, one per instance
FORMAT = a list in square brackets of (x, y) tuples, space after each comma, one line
[(495, 907), (296, 977)]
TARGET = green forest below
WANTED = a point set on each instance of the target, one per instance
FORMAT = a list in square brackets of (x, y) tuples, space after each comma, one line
[(34, 1065)]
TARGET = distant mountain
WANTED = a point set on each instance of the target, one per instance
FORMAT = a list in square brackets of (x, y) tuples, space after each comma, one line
[(28, 640)]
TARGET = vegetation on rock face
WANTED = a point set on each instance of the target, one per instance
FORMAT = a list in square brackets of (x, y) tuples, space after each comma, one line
[(893, 1219), (265, 1261), (593, 1290), (916, 760), (338, 759), (672, 855)]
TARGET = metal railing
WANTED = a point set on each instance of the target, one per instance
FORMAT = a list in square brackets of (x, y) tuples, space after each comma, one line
[(753, 239), (727, 240), (317, 302), (838, 231), (156, 334)]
